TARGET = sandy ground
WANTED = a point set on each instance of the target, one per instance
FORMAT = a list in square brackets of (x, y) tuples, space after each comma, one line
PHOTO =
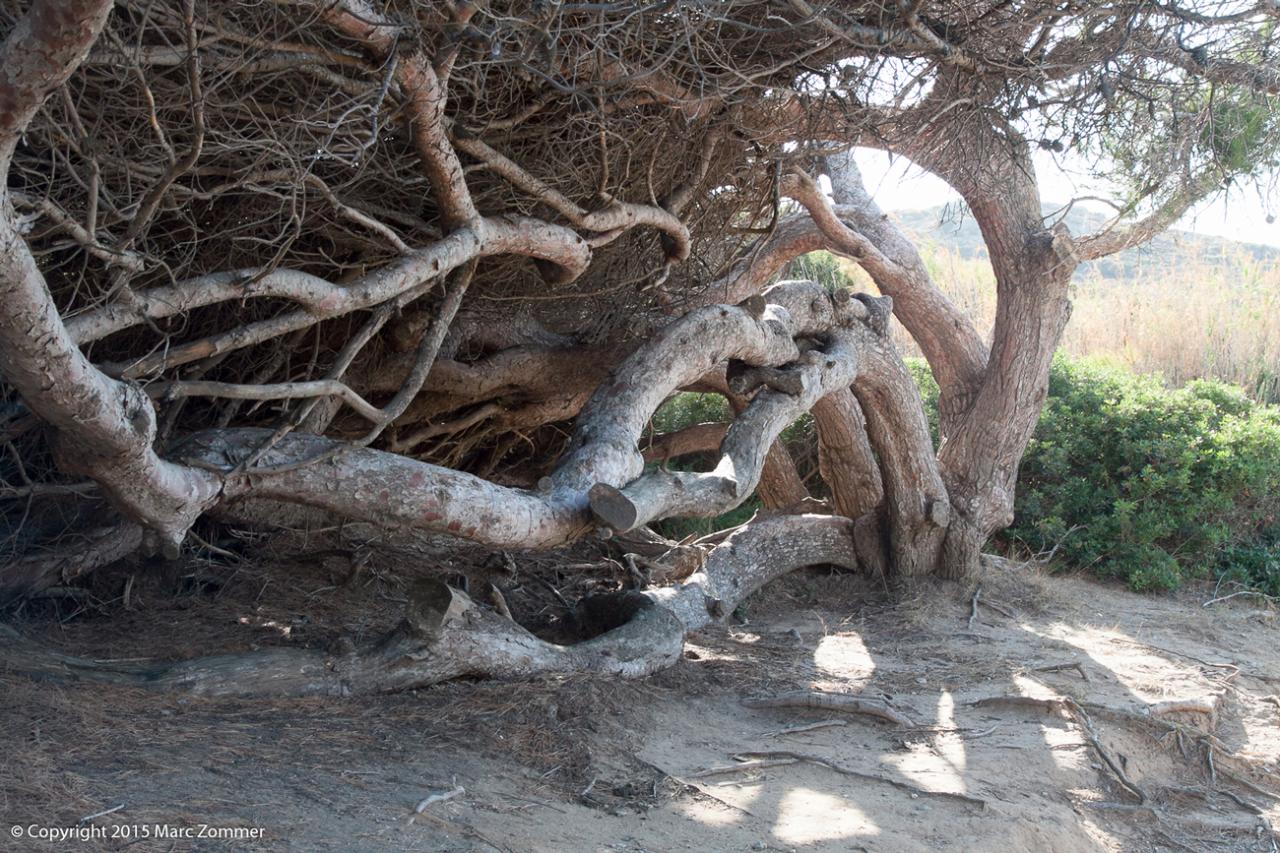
[(1181, 699)]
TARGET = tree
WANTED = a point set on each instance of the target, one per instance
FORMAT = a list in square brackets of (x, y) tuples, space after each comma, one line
[(298, 260)]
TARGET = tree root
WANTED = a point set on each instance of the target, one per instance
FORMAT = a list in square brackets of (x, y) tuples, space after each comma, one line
[(775, 758), (832, 702), (1068, 707), (445, 635)]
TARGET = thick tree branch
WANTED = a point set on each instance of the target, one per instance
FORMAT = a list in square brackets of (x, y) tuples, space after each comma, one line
[(105, 428), (1117, 235)]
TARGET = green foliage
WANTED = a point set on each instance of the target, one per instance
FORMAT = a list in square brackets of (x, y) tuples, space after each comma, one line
[(1241, 133), (822, 267), (1147, 484), (1126, 477), (928, 392), (679, 528), (1254, 564), (687, 408)]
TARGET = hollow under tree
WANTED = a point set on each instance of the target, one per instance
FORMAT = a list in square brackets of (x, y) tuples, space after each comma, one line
[(302, 260)]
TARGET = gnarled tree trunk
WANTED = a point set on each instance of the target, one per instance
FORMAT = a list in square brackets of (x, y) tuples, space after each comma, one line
[(430, 239)]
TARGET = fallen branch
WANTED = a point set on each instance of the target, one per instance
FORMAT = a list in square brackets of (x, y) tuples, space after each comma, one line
[(1062, 667)]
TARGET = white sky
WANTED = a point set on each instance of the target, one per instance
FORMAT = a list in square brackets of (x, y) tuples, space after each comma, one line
[(900, 185)]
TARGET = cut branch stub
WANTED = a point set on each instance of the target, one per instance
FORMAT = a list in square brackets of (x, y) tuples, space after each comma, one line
[(432, 607), (613, 508)]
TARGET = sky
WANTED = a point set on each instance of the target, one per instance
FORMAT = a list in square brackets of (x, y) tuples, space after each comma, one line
[(900, 185)]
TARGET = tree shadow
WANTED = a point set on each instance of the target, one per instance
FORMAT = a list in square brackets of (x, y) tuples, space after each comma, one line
[(1023, 707)]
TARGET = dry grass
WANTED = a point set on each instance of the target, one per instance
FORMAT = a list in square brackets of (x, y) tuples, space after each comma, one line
[(1216, 319), (1210, 320)]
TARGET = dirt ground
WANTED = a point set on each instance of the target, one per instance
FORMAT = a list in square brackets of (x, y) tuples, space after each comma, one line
[(1182, 700)]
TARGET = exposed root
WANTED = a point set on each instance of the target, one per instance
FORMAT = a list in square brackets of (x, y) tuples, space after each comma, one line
[(832, 702), (1068, 707), (808, 727), (445, 635), (759, 760)]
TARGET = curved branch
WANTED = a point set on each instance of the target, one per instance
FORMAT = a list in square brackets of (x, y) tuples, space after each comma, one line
[(401, 280), (794, 236), (917, 505), (105, 429), (616, 216), (1117, 236), (699, 438), (661, 494), (945, 334), (756, 553), (391, 490), (845, 458), (414, 72)]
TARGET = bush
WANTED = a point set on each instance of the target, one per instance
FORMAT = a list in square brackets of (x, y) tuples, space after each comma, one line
[(1151, 485), (1128, 478)]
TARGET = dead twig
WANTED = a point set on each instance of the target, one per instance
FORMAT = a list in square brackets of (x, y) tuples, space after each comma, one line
[(999, 608), (427, 802), (103, 813), (1062, 667)]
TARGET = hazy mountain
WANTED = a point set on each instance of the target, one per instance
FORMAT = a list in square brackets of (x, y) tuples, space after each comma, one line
[(957, 231)]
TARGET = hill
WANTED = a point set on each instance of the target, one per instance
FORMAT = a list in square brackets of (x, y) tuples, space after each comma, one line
[(956, 230)]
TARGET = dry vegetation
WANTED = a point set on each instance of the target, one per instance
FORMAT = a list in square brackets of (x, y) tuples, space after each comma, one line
[(1209, 321), (1182, 318)]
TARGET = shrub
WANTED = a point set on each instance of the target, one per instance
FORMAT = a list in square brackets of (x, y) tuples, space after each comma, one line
[(1125, 476), (1147, 484)]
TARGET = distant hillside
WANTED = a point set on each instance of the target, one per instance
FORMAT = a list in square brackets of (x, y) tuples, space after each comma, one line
[(958, 232)]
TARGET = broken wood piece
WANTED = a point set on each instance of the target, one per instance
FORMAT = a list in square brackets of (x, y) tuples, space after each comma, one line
[(1062, 667), (743, 767), (430, 801)]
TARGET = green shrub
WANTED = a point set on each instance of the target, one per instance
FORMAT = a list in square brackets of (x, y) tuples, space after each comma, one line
[(1254, 564), (928, 387), (820, 266), (1128, 478), (1147, 484)]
